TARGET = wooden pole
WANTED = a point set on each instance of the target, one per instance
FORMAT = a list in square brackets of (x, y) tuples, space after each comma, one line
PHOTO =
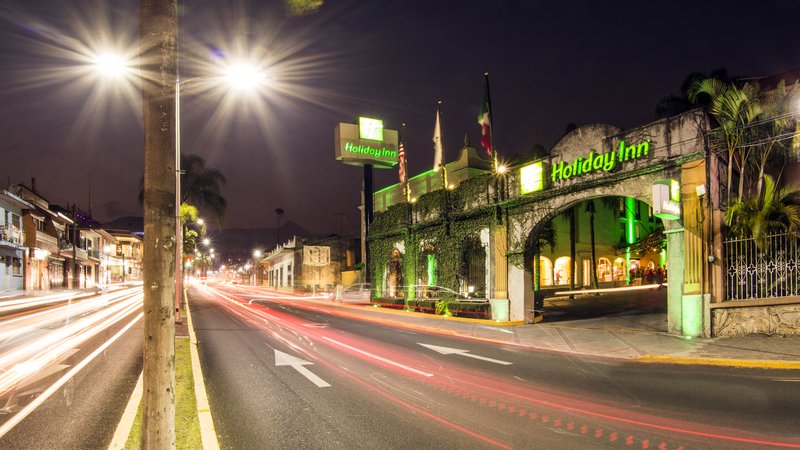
[(158, 29)]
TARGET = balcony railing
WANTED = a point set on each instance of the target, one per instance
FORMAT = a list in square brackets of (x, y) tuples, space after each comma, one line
[(10, 233)]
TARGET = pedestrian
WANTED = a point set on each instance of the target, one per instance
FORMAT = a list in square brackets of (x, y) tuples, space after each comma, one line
[(660, 276)]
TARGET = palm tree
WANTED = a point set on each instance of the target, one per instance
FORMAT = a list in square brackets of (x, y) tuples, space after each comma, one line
[(542, 236), (734, 109), (777, 211), (590, 211), (672, 105), (201, 186)]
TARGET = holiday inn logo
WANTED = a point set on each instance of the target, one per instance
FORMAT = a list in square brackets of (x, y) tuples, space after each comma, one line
[(597, 161), (533, 176)]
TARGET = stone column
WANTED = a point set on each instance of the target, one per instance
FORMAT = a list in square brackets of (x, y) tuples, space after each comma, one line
[(520, 291), (500, 263), (675, 277)]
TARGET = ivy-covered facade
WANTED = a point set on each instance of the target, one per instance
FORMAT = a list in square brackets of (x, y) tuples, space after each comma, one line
[(478, 240)]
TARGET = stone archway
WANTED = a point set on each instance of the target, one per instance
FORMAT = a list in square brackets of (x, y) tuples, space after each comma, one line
[(601, 161)]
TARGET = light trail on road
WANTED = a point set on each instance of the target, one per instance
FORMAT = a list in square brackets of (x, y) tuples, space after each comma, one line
[(606, 420), (37, 345)]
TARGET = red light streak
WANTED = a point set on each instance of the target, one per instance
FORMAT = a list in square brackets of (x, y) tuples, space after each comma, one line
[(446, 379)]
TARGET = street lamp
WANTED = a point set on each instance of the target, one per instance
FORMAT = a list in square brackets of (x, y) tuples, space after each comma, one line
[(256, 265)]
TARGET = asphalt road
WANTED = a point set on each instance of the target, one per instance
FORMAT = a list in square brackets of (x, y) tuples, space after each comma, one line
[(363, 384), (84, 412)]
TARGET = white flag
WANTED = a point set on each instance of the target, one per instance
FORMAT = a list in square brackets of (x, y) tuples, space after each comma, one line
[(438, 147)]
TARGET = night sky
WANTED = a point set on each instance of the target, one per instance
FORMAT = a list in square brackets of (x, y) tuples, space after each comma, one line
[(551, 63)]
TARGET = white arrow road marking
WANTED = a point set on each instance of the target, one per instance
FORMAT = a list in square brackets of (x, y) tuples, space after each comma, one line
[(456, 351), (387, 361), (285, 359)]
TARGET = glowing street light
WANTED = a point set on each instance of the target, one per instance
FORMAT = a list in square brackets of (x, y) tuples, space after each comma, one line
[(244, 76), (206, 241), (110, 64)]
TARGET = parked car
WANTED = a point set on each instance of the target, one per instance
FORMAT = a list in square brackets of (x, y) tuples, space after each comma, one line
[(360, 293)]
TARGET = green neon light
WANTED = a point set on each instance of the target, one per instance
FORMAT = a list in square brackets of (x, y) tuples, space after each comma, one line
[(599, 161), (371, 129), (392, 186), (531, 178), (630, 233), (382, 152), (674, 190), (432, 270)]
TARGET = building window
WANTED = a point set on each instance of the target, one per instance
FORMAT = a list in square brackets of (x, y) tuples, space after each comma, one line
[(16, 267), (39, 225)]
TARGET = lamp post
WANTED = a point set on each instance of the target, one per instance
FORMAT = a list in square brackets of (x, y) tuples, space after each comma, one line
[(256, 265)]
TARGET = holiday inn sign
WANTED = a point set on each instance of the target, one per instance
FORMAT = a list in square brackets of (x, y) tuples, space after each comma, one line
[(534, 177), (366, 143)]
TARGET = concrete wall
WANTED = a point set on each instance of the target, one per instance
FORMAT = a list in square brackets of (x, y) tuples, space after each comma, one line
[(755, 319)]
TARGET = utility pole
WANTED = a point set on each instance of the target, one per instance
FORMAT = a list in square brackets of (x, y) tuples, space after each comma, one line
[(158, 33)]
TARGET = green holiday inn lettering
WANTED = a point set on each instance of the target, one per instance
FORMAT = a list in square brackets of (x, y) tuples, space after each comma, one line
[(599, 161), (382, 152)]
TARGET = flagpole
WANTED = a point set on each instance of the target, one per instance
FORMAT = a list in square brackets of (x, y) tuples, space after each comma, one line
[(441, 143), (491, 119), (405, 180)]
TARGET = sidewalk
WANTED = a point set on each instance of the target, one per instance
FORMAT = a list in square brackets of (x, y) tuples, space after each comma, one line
[(639, 337)]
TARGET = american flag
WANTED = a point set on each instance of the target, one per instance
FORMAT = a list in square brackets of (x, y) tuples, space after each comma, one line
[(402, 155)]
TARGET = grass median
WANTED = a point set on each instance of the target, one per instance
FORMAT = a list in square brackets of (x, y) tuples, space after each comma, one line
[(187, 427)]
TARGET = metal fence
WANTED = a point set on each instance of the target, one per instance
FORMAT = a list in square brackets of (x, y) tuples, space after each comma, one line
[(759, 273)]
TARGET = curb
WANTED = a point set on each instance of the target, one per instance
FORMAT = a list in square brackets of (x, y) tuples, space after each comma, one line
[(128, 418), (208, 434), (741, 363)]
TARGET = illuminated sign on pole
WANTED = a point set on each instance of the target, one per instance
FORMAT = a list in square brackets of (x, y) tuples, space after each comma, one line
[(667, 199), (366, 143)]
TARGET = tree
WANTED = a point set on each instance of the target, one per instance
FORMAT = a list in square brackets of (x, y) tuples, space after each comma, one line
[(158, 32), (672, 105), (544, 235), (734, 109), (771, 133), (776, 211), (192, 231), (590, 211), (201, 186), (572, 238)]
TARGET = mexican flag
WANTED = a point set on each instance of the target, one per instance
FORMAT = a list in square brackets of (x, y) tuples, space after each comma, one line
[(485, 121)]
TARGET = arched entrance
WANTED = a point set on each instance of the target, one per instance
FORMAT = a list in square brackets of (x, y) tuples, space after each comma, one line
[(595, 162), (616, 229)]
